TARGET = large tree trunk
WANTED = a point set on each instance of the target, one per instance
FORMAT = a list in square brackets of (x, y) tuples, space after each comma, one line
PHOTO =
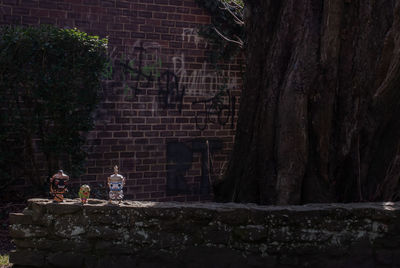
[(318, 118)]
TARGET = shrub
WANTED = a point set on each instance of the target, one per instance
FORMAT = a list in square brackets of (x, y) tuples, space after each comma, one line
[(4, 260), (49, 88)]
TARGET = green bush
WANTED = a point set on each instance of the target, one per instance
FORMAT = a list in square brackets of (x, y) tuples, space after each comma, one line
[(49, 88), (4, 260)]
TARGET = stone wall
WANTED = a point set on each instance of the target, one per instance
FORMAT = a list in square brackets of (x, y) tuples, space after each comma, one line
[(163, 100), (150, 234)]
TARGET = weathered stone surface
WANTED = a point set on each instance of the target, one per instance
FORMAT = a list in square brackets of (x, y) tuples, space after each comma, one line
[(113, 248), (63, 208), (24, 243), (20, 218), (28, 257), (54, 245), (199, 257), (66, 229), (384, 256), (151, 234), (396, 257), (32, 243), (216, 235), (104, 233), (65, 259), (26, 231), (251, 233), (114, 261), (36, 209)]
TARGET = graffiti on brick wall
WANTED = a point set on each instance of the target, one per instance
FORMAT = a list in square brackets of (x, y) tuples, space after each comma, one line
[(190, 35), (169, 90), (217, 110), (179, 161), (140, 64), (141, 67), (202, 82)]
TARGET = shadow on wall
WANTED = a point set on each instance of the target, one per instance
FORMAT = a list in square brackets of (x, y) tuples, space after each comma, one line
[(180, 159)]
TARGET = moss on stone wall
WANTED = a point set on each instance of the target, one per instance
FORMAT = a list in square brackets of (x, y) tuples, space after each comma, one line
[(201, 234)]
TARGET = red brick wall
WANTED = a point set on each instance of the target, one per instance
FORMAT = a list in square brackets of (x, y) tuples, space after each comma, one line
[(162, 99)]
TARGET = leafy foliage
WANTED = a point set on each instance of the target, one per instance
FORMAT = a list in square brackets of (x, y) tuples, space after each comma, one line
[(4, 260), (49, 85), (224, 22)]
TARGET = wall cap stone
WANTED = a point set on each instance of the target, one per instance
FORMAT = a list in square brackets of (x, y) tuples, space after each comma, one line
[(68, 203)]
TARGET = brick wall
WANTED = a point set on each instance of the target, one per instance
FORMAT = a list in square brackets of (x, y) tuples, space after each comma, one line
[(166, 113)]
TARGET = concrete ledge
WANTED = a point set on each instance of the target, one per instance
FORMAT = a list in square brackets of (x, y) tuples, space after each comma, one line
[(151, 234)]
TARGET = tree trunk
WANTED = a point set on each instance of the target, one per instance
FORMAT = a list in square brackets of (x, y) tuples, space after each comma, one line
[(318, 121)]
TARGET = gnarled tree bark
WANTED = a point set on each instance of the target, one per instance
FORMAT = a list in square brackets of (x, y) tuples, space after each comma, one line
[(318, 118)]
